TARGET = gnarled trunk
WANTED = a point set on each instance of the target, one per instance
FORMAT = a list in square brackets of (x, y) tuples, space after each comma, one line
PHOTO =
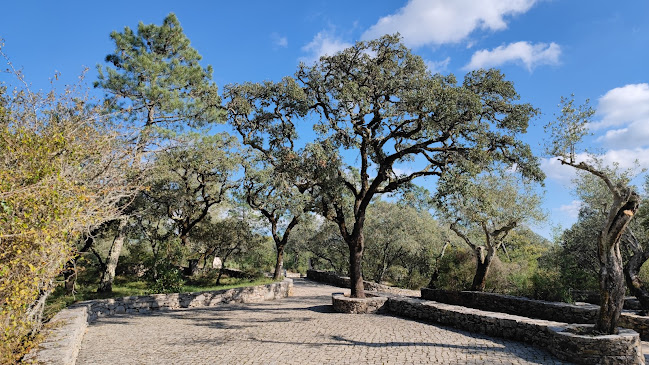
[(106, 284), (611, 287), (482, 267), (611, 276), (632, 270), (279, 263)]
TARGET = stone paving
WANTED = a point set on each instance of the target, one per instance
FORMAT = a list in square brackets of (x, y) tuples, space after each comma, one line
[(301, 329)]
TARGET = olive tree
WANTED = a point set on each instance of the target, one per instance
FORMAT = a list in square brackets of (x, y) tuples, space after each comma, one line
[(484, 210), (566, 133)]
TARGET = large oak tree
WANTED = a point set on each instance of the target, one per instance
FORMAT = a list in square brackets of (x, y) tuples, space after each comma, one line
[(378, 106)]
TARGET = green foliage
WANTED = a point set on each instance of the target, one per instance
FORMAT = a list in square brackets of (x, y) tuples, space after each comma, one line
[(62, 170), (569, 128), (155, 77), (401, 243)]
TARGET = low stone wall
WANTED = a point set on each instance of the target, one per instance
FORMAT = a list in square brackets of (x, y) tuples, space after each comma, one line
[(370, 304), (331, 278), (563, 312), (62, 342), (556, 337), (553, 336), (148, 303)]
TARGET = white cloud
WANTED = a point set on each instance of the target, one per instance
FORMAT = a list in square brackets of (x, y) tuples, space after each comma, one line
[(571, 210), (324, 43), (554, 170), (423, 22), (530, 55), (622, 105), (279, 41), (626, 107), (438, 66)]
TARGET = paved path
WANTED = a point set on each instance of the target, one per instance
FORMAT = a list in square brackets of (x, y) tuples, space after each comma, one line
[(297, 330)]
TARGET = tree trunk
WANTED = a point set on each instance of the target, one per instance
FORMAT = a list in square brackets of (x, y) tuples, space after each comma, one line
[(632, 270), (435, 276), (355, 261), (482, 268), (611, 275), (106, 284), (611, 287), (279, 263)]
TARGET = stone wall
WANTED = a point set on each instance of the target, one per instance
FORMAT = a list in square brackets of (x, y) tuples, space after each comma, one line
[(555, 337), (563, 312), (371, 304), (62, 342), (558, 338), (331, 278), (148, 303)]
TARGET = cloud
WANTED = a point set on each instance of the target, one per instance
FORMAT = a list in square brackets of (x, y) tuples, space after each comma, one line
[(622, 105), (438, 66), (554, 170), (278, 40), (324, 43), (571, 210), (436, 22), (530, 55), (626, 107)]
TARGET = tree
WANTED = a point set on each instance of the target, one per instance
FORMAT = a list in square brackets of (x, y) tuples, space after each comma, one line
[(483, 211), (63, 168), (281, 203), (596, 200), (156, 81), (377, 102), (191, 177), (264, 114), (400, 239), (566, 132)]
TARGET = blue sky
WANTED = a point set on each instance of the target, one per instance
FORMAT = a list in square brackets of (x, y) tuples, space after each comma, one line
[(598, 50)]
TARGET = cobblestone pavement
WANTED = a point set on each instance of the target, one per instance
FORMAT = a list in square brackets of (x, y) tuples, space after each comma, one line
[(301, 329)]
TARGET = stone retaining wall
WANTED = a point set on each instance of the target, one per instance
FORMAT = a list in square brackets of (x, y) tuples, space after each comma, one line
[(148, 303), (555, 337), (563, 312), (331, 278), (62, 342)]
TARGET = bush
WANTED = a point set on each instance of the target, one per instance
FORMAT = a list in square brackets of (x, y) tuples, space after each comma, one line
[(62, 170)]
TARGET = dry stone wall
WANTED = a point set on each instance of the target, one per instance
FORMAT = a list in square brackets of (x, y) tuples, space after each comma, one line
[(556, 336), (62, 343), (331, 278), (562, 312)]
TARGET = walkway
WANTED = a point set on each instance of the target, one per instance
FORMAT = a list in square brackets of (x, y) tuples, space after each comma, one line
[(297, 330)]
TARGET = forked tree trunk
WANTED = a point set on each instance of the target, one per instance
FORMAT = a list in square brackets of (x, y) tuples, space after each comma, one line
[(355, 262), (106, 284), (482, 267), (611, 276), (279, 263)]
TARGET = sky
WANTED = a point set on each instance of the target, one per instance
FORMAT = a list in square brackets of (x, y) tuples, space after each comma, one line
[(596, 50)]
